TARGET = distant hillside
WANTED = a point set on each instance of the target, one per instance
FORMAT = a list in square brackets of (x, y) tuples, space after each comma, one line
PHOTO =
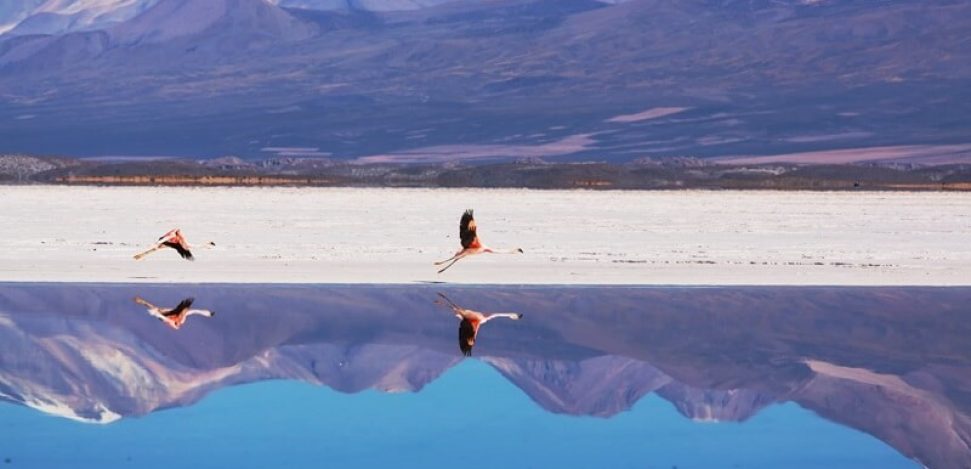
[(564, 80), (644, 174)]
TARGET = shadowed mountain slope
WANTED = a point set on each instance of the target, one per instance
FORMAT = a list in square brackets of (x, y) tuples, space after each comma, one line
[(571, 80)]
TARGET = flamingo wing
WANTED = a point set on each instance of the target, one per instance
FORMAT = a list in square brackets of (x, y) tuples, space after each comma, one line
[(466, 337), (467, 231), (170, 234), (182, 307), (185, 253)]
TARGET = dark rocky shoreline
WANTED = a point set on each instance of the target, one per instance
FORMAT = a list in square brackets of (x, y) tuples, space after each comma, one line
[(683, 173)]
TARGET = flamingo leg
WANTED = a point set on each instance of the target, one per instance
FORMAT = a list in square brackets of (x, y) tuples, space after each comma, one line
[(458, 254), (446, 260), (454, 260), (143, 254), (144, 303), (450, 303)]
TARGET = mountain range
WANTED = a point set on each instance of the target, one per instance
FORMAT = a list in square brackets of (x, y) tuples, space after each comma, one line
[(641, 174), (434, 80), (867, 358), (25, 17)]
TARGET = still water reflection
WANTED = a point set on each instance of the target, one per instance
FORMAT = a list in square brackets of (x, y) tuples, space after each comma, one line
[(174, 317), (761, 377)]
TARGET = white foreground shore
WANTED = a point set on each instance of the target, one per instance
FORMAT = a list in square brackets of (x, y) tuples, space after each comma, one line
[(311, 235)]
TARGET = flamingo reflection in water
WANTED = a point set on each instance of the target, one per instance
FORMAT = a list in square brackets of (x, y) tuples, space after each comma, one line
[(177, 316), (471, 321)]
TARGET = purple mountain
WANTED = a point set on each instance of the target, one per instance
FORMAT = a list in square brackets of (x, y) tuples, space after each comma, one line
[(568, 80), (211, 20)]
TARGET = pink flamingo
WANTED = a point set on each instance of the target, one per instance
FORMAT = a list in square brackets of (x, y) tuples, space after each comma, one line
[(173, 239), (177, 316), (471, 245), (470, 323)]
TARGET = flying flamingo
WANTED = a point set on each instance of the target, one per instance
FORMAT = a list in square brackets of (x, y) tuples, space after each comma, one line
[(471, 245), (471, 321), (173, 239), (174, 317)]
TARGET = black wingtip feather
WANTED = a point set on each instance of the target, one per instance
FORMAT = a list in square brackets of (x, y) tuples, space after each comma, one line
[(467, 229), (182, 306), (185, 253), (466, 337)]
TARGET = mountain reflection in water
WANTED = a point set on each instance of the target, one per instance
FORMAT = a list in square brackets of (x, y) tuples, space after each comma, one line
[(892, 362)]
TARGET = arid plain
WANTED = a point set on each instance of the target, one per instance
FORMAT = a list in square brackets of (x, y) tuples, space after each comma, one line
[(345, 235)]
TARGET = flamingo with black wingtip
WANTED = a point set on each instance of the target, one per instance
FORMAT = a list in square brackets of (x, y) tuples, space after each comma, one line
[(471, 244), (470, 323), (177, 316), (173, 239)]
